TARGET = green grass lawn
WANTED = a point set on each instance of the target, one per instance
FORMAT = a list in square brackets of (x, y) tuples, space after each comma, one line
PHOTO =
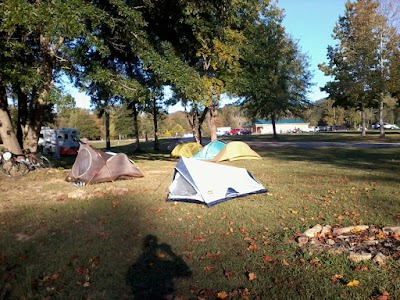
[(122, 240)]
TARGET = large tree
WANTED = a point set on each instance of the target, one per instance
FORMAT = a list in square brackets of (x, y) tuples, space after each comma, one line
[(360, 61), (275, 77), (209, 36), (34, 34)]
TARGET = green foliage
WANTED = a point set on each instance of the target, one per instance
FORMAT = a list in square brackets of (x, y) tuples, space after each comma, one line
[(275, 77), (122, 120), (85, 122), (359, 62)]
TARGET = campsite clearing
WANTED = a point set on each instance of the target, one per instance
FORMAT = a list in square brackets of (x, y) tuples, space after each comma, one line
[(58, 243)]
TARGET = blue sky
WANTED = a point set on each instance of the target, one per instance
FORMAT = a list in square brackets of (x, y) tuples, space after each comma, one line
[(310, 23)]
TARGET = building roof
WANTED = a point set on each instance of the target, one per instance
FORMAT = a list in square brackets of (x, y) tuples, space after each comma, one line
[(281, 121)]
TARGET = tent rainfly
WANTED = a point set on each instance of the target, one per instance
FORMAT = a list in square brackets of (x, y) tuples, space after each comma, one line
[(93, 166), (208, 183), (210, 150), (186, 149), (236, 151)]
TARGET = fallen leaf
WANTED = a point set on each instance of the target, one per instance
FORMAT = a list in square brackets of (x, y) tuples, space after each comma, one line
[(396, 237), (355, 230), (207, 293), (231, 229), (228, 274), (252, 276), (380, 236), (55, 276), (353, 283), (242, 230), (384, 296), (295, 212), (284, 262), (337, 277), (252, 246), (198, 239), (361, 268), (80, 270), (208, 268), (222, 295), (268, 258), (94, 261)]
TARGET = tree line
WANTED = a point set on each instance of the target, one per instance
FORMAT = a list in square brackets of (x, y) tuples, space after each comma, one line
[(124, 53), (364, 63)]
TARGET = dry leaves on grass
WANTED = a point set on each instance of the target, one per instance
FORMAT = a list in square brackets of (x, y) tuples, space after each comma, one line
[(385, 296), (353, 283), (251, 276)]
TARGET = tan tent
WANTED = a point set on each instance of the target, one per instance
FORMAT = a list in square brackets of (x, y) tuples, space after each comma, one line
[(93, 166), (186, 149), (236, 151)]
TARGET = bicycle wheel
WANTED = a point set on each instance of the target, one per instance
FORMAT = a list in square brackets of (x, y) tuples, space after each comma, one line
[(13, 169), (44, 162)]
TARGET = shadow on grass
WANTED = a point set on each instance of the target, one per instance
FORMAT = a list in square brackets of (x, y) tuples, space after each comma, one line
[(387, 160), (153, 274)]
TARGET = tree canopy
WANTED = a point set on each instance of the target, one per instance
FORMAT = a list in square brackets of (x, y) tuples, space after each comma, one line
[(362, 62)]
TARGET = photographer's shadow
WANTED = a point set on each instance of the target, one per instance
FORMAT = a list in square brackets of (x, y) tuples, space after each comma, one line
[(152, 276)]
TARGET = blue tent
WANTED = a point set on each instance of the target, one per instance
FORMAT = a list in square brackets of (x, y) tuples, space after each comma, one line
[(210, 150)]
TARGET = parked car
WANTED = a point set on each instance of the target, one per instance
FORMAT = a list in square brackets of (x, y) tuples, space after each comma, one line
[(386, 126), (188, 135), (235, 131), (245, 131)]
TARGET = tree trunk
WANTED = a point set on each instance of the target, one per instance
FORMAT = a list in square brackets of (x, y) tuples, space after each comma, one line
[(197, 122), (381, 128), (363, 129), (200, 124), (155, 123), (22, 115), (273, 121), (107, 128), (213, 122), (136, 127), (46, 71), (7, 133)]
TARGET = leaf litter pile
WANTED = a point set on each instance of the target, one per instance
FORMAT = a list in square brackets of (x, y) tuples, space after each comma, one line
[(361, 242)]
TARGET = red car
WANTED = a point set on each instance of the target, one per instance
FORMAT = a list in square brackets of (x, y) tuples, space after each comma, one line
[(233, 132)]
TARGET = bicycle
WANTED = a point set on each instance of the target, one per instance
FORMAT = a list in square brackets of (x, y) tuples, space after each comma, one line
[(12, 165), (34, 161)]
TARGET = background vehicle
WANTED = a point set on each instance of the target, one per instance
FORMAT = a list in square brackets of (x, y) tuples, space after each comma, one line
[(62, 141), (245, 131), (235, 131), (223, 130), (386, 126)]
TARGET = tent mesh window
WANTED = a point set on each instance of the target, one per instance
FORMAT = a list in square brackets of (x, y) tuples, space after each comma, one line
[(182, 187), (83, 165)]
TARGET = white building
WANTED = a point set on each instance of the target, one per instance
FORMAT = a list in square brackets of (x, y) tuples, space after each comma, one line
[(282, 126)]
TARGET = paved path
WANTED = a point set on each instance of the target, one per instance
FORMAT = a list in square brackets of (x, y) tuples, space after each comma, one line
[(323, 144)]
